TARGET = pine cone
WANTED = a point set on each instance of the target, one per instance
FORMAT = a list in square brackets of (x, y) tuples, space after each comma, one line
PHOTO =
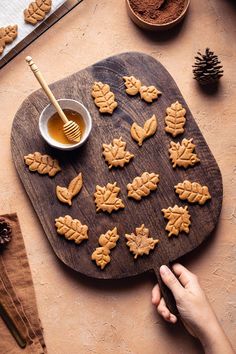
[(5, 232), (207, 69)]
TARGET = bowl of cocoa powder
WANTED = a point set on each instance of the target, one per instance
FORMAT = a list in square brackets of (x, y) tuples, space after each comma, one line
[(157, 15)]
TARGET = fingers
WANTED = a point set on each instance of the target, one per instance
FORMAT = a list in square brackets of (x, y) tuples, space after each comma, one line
[(185, 277), (165, 313), (161, 305), (156, 295), (171, 281)]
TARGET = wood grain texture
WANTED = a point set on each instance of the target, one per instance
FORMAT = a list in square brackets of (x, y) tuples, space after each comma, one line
[(153, 156)]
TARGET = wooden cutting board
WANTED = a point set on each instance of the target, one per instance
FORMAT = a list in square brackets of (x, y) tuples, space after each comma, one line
[(153, 156)]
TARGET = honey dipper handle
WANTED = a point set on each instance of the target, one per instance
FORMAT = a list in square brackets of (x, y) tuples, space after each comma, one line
[(46, 88)]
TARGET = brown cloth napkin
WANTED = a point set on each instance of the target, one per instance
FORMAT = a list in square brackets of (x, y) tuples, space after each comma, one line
[(17, 294)]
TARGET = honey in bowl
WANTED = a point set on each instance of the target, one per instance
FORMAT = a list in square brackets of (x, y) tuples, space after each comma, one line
[(55, 125)]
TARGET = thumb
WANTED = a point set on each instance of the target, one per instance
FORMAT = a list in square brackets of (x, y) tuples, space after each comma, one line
[(171, 281)]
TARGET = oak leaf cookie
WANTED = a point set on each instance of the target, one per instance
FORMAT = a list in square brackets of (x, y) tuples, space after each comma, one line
[(43, 164), (193, 192), (139, 133), (143, 185), (175, 119), (182, 154), (179, 220), (140, 243), (72, 229), (103, 97), (65, 195), (37, 11), (115, 153), (149, 93), (106, 198), (107, 241), (7, 35), (132, 85)]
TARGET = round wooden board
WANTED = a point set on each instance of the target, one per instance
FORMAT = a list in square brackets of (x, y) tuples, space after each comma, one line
[(153, 156)]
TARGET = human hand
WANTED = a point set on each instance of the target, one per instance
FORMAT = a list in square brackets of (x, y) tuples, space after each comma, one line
[(193, 306)]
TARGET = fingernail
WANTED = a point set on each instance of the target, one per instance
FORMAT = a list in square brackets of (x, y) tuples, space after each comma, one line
[(173, 318), (164, 270)]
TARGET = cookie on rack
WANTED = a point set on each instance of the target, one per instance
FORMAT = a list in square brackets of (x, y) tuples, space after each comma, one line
[(37, 10), (7, 36)]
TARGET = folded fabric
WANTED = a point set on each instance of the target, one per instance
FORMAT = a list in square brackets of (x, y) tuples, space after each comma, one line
[(18, 296)]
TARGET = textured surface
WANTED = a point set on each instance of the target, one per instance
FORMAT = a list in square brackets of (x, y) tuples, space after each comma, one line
[(12, 13), (153, 156), (17, 295), (78, 314)]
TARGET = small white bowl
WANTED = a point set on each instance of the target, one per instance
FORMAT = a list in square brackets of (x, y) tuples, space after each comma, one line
[(72, 105)]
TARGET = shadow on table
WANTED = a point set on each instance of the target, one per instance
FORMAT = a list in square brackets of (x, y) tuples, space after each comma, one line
[(210, 90), (232, 3), (200, 251), (176, 333), (163, 36)]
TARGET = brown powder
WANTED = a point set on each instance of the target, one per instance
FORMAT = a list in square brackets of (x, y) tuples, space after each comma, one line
[(158, 11)]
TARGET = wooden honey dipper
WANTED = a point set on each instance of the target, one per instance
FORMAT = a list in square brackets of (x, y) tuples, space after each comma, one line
[(71, 129)]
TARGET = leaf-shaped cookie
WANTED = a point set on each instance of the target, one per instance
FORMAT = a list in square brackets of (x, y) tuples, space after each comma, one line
[(140, 243), (140, 133), (106, 198), (75, 185), (107, 241), (193, 192), (149, 93), (103, 97), (143, 185), (72, 229), (132, 85), (65, 195), (7, 35), (179, 220), (115, 153), (175, 119), (37, 11), (43, 164), (182, 154), (101, 256)]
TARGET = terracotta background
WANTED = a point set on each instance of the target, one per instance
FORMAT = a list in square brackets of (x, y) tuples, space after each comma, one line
[(80, 315)]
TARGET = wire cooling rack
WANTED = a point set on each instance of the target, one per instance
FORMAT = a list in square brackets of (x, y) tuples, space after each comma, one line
[(43, 27)]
